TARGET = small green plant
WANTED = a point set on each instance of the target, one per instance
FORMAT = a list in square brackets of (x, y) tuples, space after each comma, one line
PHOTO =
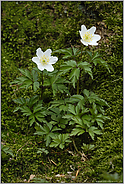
[(111, 178), (69, 113), (6, 150)]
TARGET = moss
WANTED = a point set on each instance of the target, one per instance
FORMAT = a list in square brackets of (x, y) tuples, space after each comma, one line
[(29, 25)]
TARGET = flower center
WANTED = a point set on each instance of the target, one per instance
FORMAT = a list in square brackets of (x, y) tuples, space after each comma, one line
[(44, 60), (87, 37)]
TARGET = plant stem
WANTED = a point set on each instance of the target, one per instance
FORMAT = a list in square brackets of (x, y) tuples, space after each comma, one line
[(42, 87), (78, 87), (76, 147)]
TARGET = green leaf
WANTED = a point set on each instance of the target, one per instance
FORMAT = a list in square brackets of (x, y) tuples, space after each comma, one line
[(64, 51), (42, 150), (68, 116), (20, 100), (101, 61), (32, 120), (75, 72), (32, 100), (93, 130), (16, 109), (47, 82), (74, 80), (22, 71), (90, 54), (28, 74), (54, 144), (96, 55), (71, 63), (76, 131), (65, 69), (60, 140), (77, 97), (26, 111), (102, 102), (92, 97), (26, 84), (34, 75), (6, 150), (72, 109), (61, 146), (77, 109), (35, 86), (86, 67), (38, 107)]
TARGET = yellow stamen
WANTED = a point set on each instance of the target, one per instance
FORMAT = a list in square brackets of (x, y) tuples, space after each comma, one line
[(44, 60), (87, 37)]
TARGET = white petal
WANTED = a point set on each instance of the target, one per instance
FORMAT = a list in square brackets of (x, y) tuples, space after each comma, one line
[(53, 60), (40, 67), (93, 43), (48, 52), (92, 30), (80, 34), (96, 37), (39, 52), (83, 29), (36, 60), (85, 43), (49, 67)]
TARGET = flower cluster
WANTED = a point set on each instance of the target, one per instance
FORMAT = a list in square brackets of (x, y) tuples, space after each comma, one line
[(44, 60)]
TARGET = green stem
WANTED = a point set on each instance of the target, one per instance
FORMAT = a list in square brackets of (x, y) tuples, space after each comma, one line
[(78, 87), (76, 147), (42, 86)]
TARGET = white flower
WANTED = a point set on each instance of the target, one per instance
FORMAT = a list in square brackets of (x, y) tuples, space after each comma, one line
[(44, 60), (88, 36)]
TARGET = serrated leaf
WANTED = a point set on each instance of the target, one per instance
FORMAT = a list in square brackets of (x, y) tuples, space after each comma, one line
[(46, 82), (74, 80), (16, 109), (22, 70), (75, 72), (77, 109), (20, 101), (71, 63), (42, 150), (61, 146), (63, 107), (32, 121), (101, 61), (79, 97), (26, 111), (39, 133), (65, 69), (32, 100), (75, 131), (72, 109), (90, 54), (102, 102), (93, 130), (77, 120), (35, 86), (26, 84), (56, 129), (34, 75), (28, 74), (68, 116), (54, 144)]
